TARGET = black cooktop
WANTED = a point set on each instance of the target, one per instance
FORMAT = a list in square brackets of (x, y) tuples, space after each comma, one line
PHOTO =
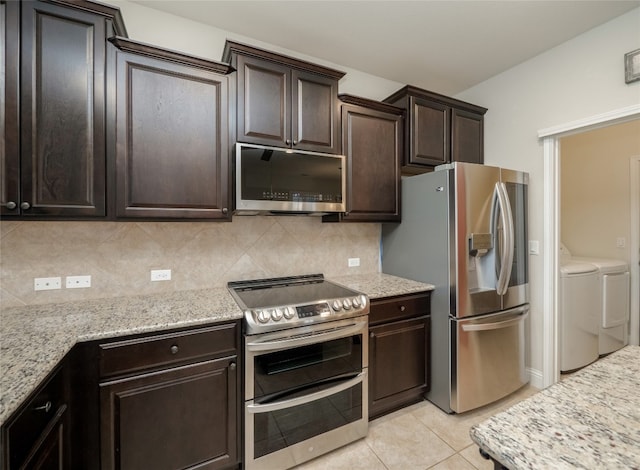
[(275, 292)]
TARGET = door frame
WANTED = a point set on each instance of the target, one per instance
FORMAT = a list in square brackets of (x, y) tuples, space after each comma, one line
[(634, 217), (551, 208)]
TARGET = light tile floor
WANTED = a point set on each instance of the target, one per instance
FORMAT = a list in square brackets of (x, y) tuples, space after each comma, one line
[(418, 437)]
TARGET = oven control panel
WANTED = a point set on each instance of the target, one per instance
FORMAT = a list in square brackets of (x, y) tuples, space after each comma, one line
[(295, 315)]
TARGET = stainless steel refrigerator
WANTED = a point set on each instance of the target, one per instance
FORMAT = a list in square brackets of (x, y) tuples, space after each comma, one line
[(464, 229)]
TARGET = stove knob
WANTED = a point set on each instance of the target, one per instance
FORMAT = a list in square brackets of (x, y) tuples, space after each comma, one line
[(289, 313), (356, 302), (276, 314), (262, 316), (336, 305), (346, 303)]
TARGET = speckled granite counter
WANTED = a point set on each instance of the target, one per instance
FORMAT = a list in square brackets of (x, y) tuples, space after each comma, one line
[(34, 339), (590, 420), (382, 285)]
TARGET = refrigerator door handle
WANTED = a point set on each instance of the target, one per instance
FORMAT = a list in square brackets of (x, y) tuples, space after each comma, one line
[(496, 325), (506, 247)]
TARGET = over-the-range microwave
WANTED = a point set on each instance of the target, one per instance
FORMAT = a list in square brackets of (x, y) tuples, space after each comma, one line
[(277, 180)]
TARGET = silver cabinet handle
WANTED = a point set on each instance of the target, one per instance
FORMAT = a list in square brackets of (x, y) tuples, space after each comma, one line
[(402, 308), (288, 141), (25, 206), (232, 366), (225, 210), (46, 407), (295, 142), (174, 349), (11, 205)]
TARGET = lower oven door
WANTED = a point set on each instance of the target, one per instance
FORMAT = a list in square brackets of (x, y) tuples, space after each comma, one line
[(306, 392)]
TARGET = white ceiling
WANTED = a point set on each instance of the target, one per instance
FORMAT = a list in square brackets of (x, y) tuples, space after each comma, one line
[(444, 46)]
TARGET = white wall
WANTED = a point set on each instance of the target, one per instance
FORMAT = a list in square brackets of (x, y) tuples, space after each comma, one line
[(173, 32), (581, 78), (595, 190)]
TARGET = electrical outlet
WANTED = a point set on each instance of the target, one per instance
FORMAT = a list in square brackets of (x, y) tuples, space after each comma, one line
[(160, 274), (46, 283), (621, 242), (534, 247), (354, 262), (78, 282)]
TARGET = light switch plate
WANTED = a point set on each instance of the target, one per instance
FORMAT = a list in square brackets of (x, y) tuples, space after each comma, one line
[(354, 262), (78, 282), (160, 274), (534, 247), (46, 283)]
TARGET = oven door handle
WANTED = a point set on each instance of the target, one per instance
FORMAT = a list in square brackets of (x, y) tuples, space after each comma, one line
[(310, 338), (279, 405)]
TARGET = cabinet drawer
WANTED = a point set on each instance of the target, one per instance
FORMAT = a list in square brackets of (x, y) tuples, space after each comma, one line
[(35, 422), (397, 308), (124, 357)]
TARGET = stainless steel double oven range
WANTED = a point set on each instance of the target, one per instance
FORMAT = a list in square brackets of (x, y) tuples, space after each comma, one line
[(305, 374)]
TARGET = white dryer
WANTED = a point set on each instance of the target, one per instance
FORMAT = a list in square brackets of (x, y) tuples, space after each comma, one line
[(579, 314), (614, 300)]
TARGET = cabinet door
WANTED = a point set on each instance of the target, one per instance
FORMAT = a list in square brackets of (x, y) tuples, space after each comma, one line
[(429, 137), (398, 364), (185, 417), (264, 109), (172, 140), (10, 111), (62, 111), (467, 137), (372, 142), (314, 112)]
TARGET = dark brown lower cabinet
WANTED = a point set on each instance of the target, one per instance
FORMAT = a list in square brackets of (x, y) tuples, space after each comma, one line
[(170, 400), (36, 438), (398, 352), (179, 418)]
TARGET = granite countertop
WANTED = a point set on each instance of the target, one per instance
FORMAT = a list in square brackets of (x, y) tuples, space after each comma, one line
[(589, 420), (33, 339)]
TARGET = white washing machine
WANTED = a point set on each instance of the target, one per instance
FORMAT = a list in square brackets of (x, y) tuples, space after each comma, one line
[(579, 314), (614, 300)]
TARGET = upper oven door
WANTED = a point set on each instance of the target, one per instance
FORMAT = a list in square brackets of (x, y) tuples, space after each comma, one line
[(303, 361)]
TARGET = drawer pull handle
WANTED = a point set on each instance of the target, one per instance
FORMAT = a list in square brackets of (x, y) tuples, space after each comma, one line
[(46, 407), (174, 349), (232, 366), (402, 308)]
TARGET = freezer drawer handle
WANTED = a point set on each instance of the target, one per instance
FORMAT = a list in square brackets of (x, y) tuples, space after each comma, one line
[(495, 325)]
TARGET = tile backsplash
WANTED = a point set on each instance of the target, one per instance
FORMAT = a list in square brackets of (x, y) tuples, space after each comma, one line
[(120, 255)]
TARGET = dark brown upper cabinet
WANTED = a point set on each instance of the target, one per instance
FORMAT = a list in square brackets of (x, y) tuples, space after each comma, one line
[(172, 134), (53, 89), (439, 129), (284, 102), (372, 141)]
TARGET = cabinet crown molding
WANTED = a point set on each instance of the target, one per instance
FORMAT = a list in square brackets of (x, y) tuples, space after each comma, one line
[(100, 8), (371, 104), (127, 45), (413, 91), (232, 47)]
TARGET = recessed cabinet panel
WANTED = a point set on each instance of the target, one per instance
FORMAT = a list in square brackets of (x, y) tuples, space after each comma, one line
[(171, 140), (263, 102), (62, 82), (178, 418), (9, 108), (315, 113), (372, 144), (430, 136), (467, 137)]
